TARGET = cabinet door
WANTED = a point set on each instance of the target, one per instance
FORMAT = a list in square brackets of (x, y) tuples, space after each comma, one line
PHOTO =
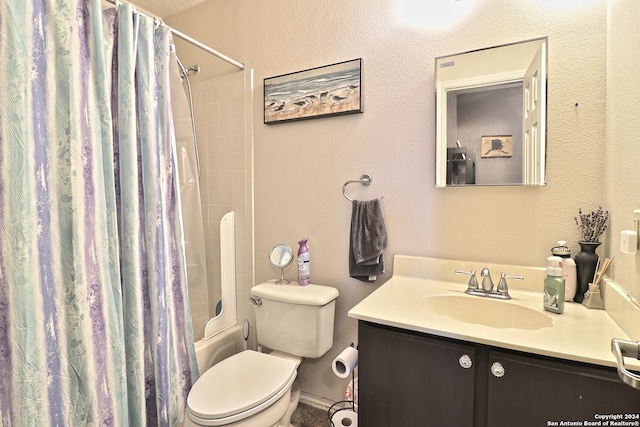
[(538, 392), (409, 379)]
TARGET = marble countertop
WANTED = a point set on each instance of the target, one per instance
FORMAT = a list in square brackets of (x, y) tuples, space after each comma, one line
[(579, 334)]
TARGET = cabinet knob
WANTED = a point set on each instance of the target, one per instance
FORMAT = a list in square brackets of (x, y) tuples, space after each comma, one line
[(465, 361), (497, 369)]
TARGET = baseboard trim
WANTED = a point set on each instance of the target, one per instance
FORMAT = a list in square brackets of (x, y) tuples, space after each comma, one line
[(315, 401)]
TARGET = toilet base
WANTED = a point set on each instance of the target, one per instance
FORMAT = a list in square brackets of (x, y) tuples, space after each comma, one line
[(285, 421)]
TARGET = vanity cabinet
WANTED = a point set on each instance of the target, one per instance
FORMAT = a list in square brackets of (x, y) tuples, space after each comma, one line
[(406, 378), (409, 378), (535, 390)]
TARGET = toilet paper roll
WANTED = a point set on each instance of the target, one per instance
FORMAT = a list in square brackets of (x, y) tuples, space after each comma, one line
[(345, 417), (345, 363)]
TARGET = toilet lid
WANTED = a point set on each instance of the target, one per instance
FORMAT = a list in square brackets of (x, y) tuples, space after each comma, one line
[(240, 383)]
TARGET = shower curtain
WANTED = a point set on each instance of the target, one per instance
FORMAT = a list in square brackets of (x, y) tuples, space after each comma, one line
[(94, 318)]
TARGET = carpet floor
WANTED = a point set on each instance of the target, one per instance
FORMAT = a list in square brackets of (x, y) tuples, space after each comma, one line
[(308, 416)]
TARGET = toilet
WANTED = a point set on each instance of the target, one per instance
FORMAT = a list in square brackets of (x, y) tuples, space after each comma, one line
[(255, 389)]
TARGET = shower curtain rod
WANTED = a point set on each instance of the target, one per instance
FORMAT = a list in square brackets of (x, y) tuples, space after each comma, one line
[(191, 40)]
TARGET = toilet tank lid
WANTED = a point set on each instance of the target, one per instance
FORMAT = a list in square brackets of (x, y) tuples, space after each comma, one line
[(295, 294)]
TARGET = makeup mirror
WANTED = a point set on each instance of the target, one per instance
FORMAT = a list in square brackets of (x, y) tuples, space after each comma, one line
[(281, 256)]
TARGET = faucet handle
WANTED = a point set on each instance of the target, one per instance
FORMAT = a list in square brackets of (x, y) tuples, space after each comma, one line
[(502, 284), (473, 282)]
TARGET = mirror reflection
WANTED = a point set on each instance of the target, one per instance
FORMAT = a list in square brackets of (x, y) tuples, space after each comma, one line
[(491, 116)]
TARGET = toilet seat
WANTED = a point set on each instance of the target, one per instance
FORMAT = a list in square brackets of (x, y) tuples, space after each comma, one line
[(239, 386)]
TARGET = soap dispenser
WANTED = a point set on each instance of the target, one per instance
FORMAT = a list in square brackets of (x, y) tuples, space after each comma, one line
[(568, 269), (554, 286)]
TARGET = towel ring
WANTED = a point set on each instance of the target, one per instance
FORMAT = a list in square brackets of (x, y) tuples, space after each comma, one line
[(365, 179)]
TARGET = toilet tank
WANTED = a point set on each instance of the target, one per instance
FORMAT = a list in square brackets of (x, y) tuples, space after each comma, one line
[(295, 319)]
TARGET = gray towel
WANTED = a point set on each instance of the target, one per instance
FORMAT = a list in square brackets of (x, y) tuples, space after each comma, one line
[(368, 240)]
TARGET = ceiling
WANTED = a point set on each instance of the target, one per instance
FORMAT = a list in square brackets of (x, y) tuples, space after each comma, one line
[(162, 8)]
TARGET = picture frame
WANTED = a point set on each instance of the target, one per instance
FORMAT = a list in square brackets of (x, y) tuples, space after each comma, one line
[(493, 146), (330, 90)]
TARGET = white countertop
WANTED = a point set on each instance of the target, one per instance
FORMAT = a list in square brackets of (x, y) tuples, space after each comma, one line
[(579, 334)]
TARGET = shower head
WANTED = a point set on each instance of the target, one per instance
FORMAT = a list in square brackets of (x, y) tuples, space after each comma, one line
[(184, 72), (195, 69)]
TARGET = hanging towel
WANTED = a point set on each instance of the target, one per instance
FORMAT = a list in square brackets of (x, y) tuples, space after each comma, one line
[(368, 240)]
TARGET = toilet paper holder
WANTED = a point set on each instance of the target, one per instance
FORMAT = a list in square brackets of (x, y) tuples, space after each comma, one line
[(345, 407)]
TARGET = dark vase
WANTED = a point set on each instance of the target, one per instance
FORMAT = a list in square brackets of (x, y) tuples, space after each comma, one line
[(586, 262)]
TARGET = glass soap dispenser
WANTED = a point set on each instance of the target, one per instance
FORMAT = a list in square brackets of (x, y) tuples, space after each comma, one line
[(554, 286)]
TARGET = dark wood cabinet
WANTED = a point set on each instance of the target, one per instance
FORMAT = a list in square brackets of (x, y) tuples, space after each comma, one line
[(403, 376), (412, 379), (535, 391)]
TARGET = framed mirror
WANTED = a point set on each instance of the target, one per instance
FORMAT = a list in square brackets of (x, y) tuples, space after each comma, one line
[(491, 112)]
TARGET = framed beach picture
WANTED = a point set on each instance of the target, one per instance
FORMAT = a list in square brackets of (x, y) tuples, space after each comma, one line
[(310, 94), (497, 146)]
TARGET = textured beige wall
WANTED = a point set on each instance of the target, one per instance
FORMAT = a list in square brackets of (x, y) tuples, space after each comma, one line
[(300, 167)]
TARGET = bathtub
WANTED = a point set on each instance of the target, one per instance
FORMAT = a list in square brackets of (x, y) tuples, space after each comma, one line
[(217, 348), (212, 350)]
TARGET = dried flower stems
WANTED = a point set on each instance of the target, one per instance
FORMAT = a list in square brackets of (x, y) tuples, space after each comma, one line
[(592, 225)]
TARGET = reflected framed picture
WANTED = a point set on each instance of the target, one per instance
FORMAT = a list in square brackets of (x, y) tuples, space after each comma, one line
[(497, 146), (330, 90)]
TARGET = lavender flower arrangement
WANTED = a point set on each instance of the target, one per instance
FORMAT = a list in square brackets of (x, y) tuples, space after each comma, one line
[(592, 225)]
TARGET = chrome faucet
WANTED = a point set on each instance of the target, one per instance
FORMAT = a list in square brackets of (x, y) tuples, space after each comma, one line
[(487, 283), (501, 292)]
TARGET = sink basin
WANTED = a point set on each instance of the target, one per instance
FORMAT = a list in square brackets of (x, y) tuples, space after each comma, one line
[(488, 312)]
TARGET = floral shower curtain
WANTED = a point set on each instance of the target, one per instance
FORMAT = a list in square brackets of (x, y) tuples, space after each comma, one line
[(94, 318)]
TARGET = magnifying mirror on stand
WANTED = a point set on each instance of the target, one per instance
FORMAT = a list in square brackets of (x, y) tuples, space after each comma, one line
[(281, 256)]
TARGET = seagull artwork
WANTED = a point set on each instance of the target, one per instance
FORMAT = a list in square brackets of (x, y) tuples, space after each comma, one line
[(337, 99), (301, 104), (280, 107)]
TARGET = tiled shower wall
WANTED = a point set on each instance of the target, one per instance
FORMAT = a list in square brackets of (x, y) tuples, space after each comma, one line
[(224, 131)]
